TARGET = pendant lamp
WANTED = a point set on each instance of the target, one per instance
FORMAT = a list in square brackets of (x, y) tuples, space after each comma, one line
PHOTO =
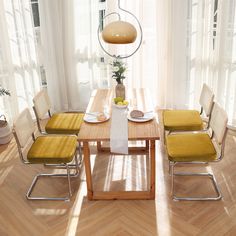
[(120, 32)]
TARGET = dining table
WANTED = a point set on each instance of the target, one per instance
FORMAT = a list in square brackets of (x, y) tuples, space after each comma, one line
[(147, 131)]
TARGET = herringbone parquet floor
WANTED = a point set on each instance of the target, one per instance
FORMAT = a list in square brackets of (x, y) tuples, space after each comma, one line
[(86, 218)]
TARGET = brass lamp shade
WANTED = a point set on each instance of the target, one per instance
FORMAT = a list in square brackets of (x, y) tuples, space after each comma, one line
[(119, 32)]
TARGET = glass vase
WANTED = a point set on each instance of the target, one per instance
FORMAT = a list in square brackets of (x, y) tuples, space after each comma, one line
[(120, 91)]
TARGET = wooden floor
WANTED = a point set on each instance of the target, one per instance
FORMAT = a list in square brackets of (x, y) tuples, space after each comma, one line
[(127, 217)]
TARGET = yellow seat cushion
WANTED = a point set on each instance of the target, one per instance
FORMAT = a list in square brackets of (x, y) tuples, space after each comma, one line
[(190, 147), (52, 149), (64, 123), (187, 120)]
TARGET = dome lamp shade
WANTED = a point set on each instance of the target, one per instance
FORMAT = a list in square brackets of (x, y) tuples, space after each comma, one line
[(119, 32)]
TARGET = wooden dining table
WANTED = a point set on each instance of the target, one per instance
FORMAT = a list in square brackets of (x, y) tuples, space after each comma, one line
[(145, 131)]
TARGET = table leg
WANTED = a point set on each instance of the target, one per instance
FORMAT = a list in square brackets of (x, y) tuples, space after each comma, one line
[(99, 146), (147, 144), (87, 166), (153, 169)]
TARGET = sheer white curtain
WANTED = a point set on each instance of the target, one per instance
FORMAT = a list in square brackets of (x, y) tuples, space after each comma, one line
[(186, 43), (160, 64), (52, 50), (18, 59), (71, 51), (172, 53), (194, 42), (213, 50), (81, 65), (142, 69)]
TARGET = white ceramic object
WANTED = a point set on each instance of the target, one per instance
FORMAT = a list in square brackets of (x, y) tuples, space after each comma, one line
[(120, 106), (5, 132), (147, 116), (92, 117)]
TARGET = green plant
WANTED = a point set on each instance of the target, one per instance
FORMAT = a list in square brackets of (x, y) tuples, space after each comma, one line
[(118, 70), (4, 91)]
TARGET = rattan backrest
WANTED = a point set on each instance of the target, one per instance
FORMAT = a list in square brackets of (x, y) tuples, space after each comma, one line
[(218, 122), (206, 99), (41, 104), (24, 127)]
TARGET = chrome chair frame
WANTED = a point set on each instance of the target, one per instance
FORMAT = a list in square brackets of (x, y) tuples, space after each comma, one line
[(196, 198), (45, 133), (172, 173), (36, 178), (68, 175), (38, 120), (205, 120)]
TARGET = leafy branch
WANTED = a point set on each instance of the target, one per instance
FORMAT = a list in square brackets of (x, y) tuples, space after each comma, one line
[(118, 70), (4, 91)]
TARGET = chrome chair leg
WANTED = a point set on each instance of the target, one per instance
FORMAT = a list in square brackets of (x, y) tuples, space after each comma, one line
[(68, 178), (171, 172), (68, 175), (169, 169), (80, 152), (36, 178), (195, 198)]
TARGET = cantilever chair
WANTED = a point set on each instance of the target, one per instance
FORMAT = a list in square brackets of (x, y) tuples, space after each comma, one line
[(198, 147), (189, 120), (58, 123), (47, 149)]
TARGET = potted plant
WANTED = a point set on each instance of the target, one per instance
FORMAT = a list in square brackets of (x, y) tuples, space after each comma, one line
[(118, 73), (5, 131)]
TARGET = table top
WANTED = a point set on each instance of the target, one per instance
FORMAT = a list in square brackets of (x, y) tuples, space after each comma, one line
[(138, 99)]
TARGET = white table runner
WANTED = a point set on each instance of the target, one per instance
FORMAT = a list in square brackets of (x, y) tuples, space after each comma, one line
[(119, 131)]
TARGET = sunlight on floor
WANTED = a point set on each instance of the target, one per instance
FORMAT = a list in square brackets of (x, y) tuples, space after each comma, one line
[(7, 153), (129, 171), (76, 209), (4, 173), (49, 212), (108, 176), (162, 208), (141, 173), (209, 169), (227, 211), (119, 175), (92, 161), (234, 139), (228, 187)]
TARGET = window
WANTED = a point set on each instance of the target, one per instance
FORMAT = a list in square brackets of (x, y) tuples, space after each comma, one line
[(36, 19), (101, 16), (215, 22), (35, 11)]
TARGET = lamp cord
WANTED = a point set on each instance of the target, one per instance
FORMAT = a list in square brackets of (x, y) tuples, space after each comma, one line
[(140, 28)]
